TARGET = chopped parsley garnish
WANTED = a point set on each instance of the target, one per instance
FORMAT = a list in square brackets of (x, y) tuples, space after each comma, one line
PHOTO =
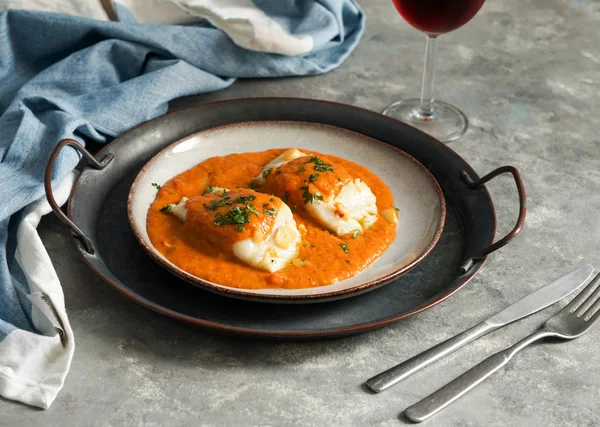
[(227, 201), (224, 192), (271, 199), (269, 211), (251, 209), (157, 186), (394, 206), (304, 244), (313, 245), (243, 199), (252, 185), (237, 216), (301, 169), (344, 248), (209, 189), (308, 196), (166, 209), (285, 197), (293, 208), (320, 165), (302, 260), (266, 172), (216, 204), (339, 179), (348, 261), (265, 205), (355, 234), (313, 177)]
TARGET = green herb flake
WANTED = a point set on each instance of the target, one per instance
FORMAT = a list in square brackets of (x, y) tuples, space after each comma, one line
[(347, 261), (301, 169), (320, 165), (242, 200), (216, 204), (209, 189), (224, 192), (157, 186), (318, 196), (307, 195), (302, 260), (339, 179), (304, 244), (166, 209), (355, 234), (252, 185), (313, 177), (269, 211), (313, 245), (251, 209), (394, 206), (344, 248), (271, 200), (266, 172), (293, 208), (237, 216)]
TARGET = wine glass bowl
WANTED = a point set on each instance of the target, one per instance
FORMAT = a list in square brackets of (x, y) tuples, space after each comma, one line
[(433, 17)]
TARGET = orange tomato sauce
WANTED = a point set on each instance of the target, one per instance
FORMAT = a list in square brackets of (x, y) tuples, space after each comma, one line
[(325, 261)]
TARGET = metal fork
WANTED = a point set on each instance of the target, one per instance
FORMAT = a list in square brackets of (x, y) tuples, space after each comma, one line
[(569, 323)]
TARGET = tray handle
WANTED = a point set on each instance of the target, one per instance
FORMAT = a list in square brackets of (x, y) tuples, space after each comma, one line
[(522, 210), (85, 240)]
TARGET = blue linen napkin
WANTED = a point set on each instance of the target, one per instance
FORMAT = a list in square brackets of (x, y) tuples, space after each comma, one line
[(70, 77)]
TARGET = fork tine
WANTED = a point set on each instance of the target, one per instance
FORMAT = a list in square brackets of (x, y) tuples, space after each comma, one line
[(594, 305), (585, 305), (578, 301), (595, 317)]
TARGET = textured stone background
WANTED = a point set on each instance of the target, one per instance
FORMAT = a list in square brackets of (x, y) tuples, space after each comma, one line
[(526, 72)]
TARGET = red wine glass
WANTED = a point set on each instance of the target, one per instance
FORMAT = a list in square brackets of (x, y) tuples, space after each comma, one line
[(433, 17)]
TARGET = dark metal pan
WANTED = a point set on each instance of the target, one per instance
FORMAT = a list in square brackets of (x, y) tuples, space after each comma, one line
[(97, 214)]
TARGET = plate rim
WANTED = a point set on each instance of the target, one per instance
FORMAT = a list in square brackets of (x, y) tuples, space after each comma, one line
[(283, 298)]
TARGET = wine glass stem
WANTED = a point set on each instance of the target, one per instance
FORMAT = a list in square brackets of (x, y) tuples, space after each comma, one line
[(426, 105)]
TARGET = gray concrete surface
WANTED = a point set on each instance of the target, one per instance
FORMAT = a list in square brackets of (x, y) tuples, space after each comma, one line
[(527, 74)]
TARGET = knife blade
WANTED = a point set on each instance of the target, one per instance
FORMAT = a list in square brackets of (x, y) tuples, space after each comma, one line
[(526, 306)]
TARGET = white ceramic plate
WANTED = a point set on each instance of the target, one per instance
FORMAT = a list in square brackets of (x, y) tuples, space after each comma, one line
[(415, 191)]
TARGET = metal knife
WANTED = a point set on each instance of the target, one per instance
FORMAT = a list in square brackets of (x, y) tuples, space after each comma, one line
[(530, 304)]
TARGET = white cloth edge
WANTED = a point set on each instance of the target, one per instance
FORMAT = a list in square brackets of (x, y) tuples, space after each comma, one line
[(247, 25), (33, 367)]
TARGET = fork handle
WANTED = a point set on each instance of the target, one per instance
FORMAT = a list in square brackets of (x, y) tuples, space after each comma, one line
[(458, 387)]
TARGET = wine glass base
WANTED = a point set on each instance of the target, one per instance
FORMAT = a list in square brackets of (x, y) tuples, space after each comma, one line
[(446, 122)]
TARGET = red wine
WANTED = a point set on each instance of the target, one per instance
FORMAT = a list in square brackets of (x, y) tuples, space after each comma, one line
[(437, 16)]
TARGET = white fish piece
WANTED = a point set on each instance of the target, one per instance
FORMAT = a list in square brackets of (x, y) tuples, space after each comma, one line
[(272, 245), (275, 250), (179, 210), (285, 157), (353, 208), (340, 202)]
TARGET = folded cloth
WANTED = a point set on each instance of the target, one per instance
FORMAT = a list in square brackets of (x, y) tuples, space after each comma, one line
[(243, 21), (71, 77)]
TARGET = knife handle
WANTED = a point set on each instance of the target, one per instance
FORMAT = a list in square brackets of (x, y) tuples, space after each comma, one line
[(394, 375), (461, 385)]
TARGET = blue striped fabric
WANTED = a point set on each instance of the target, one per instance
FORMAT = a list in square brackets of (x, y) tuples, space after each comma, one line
[(64, 76)]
